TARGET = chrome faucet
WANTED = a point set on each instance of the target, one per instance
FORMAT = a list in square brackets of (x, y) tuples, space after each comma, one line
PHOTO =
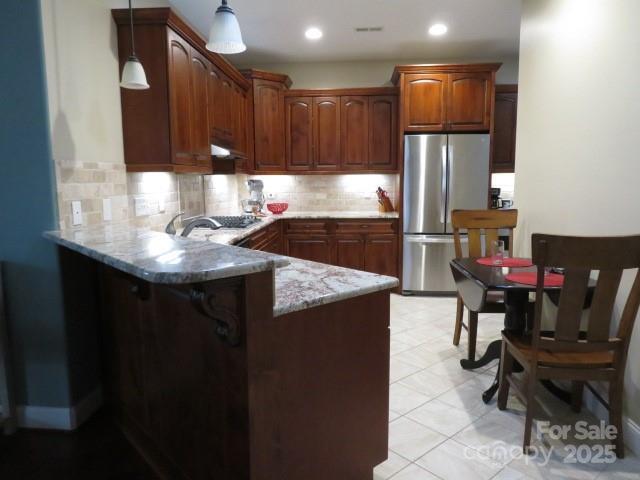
[(193, 223)]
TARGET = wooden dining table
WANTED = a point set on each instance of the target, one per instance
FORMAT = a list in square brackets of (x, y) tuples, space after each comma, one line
[(474, 281)]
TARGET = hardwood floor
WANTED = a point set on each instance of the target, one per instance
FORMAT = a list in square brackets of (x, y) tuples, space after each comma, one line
[(96, 451)]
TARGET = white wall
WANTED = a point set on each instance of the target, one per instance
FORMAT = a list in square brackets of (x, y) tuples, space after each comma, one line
[(366, 74), (577, 164)]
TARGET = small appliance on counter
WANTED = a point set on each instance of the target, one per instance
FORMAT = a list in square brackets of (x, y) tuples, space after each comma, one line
[(496, 201), (255, 202)]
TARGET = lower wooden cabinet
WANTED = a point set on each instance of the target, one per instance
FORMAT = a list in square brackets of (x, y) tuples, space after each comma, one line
[(316, 248), (349, 251), (361, 244), (381, 254)]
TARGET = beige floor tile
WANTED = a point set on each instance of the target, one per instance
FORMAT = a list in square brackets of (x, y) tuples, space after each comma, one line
[(403, 399), (419, 356), (450, 368), (411, 439), (399, 370), (428, 384), (391, 466), (467, 397), (414, 472), (441, 417), (627, 468), (508, 473), (398, 346), (453, 461), (393, 415)]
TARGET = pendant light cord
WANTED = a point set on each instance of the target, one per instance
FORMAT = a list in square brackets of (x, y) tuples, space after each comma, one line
[(133, 45)]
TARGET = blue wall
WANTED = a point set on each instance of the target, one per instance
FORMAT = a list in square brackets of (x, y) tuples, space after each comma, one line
[(27, 208)]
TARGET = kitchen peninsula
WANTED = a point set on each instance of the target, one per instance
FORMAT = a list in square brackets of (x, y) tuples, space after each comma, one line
[(228, 363)]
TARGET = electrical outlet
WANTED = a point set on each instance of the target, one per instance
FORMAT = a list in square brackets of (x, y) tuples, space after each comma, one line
[(106, 210), (140, 206), (76, 212), (162, 207)]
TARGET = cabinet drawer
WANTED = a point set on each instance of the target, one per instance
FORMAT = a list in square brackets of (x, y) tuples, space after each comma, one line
[(365, 227), (311, 226)]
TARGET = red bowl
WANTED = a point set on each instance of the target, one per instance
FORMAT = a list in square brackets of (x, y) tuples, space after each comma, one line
[(277, 208)]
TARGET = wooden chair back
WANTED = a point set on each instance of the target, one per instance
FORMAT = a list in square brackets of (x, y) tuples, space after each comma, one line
[(580, 256), (476, 222)]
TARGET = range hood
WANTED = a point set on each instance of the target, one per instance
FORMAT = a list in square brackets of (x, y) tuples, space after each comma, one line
[(219, 152)]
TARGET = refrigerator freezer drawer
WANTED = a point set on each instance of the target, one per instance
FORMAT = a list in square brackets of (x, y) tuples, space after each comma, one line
[(426, 264)]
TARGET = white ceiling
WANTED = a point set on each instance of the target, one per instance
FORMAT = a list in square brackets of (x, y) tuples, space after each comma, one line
[(274, 30)]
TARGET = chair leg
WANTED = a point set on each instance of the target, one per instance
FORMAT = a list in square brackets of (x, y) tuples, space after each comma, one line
[(473, 333), (506, 367), (458, 328), (615, 414), (577, 389), (528, 423)]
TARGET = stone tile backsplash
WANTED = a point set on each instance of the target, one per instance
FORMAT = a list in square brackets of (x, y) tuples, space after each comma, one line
[(162, 195)]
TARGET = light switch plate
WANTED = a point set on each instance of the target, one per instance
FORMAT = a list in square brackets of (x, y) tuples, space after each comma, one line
[(106, 210), (76, 212)]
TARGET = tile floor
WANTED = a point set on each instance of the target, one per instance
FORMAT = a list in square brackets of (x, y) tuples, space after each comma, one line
[(440, 428)]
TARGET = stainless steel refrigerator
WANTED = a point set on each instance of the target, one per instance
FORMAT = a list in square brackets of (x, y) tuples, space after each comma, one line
[(441, 173)]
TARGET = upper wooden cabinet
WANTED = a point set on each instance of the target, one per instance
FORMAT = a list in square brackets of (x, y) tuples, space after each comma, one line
[(504, 129), (268, 119), (425, 102), (354, 132), (195, 97), (346, 130), (326, 133), (383, 132), (298, 133), (446, 98)]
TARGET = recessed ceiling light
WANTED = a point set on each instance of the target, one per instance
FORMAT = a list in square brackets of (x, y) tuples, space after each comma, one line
[(313, 33), (438, 29)]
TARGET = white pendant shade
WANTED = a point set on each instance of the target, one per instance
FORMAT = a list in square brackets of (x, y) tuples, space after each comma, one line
[(133, 76), (225, 36)]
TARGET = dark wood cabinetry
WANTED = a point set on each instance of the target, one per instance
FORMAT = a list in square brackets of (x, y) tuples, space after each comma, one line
[(326, 133), (195, 97), (383, 132), (362, 244), (504, 130), (299, 133), (268, 122), (354, 111), (440, 98), (341, 132)]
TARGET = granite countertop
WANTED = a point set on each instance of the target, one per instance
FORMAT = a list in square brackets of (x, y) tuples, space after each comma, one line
[(303, 284), (230, 236), (161, 258)]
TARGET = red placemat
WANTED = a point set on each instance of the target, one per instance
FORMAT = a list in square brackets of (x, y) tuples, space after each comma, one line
[(506, 262), (531, 278)]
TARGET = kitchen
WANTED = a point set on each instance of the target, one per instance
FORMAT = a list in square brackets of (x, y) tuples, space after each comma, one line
[(317, 122)]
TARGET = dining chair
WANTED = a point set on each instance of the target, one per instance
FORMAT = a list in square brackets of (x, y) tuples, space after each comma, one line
[(482, 227), (569, 353)]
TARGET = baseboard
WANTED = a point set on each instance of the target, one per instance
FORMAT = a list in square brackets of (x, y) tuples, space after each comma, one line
[(631, 428), (59, 418)]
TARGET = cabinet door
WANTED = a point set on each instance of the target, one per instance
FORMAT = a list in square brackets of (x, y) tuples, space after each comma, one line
[(216, 108), (314, 248), (354, 132), (381, 254), (227, 120), (180, 99), (268, 125), (383, 132), (326, 132), (200, 140), (469, 101), (350, 251), (504, 132), (298, 133), (425, 102)]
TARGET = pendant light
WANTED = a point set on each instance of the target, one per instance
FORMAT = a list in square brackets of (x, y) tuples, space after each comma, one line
[(133, 76), (225, 36)]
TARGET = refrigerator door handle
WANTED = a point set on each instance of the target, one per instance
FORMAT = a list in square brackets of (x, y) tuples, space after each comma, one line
[(433, 239), (443, 187)]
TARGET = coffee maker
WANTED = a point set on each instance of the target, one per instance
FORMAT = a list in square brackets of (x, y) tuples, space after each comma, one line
[(496, 201)]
